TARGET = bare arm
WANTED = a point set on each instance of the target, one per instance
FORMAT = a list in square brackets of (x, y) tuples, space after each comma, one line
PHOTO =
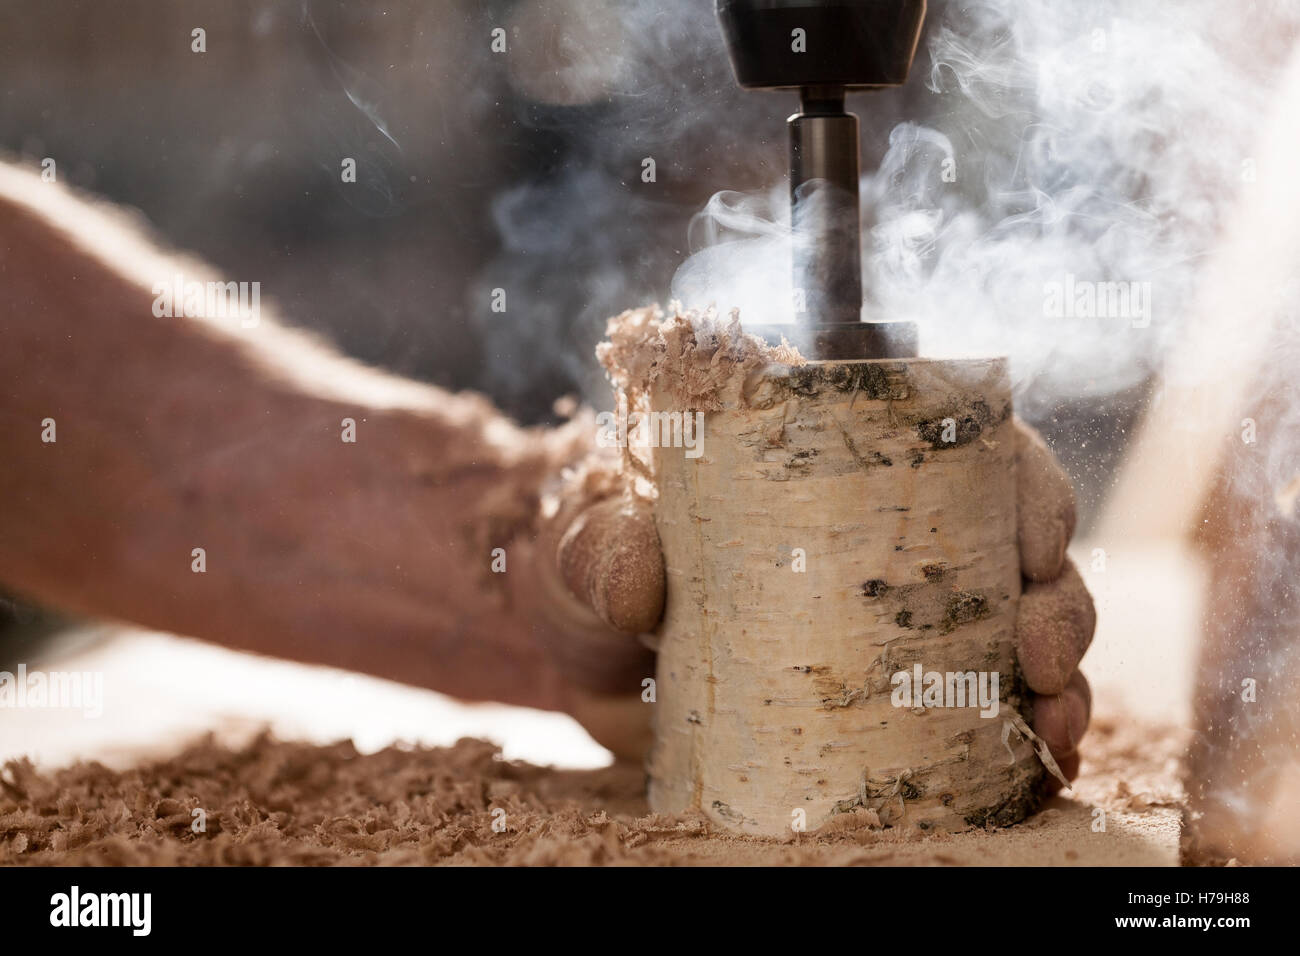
[(183, 433)]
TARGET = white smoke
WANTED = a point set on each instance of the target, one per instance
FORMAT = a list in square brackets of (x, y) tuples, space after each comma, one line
[(1069, 146)]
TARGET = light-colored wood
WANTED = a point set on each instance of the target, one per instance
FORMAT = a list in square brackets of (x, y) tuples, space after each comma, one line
[(895, 480)]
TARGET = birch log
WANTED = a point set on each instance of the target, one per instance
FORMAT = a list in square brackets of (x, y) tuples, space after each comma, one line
[(844, 523)]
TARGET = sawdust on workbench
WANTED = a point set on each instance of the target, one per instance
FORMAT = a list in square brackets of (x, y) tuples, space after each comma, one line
[(291, 803)]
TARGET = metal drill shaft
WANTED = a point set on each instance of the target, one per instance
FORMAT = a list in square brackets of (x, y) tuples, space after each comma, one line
[(825, 214), (838, 45)]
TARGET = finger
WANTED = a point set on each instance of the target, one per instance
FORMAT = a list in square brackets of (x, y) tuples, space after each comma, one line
[(610, 558), (619, 723), (1054, 626), (1062, 719), (1044, 506)]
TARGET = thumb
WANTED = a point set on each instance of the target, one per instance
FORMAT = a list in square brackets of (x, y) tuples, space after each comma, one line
[(610, 559), (1045, 510)]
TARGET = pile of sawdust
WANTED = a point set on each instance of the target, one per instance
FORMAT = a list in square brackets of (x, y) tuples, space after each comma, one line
[(694, 354), (290, 803)]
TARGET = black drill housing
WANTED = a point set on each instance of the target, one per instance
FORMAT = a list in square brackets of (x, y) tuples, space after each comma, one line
[(824, 49)]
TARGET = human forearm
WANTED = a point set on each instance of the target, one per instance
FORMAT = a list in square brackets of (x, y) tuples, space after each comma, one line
[(174, 435)]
